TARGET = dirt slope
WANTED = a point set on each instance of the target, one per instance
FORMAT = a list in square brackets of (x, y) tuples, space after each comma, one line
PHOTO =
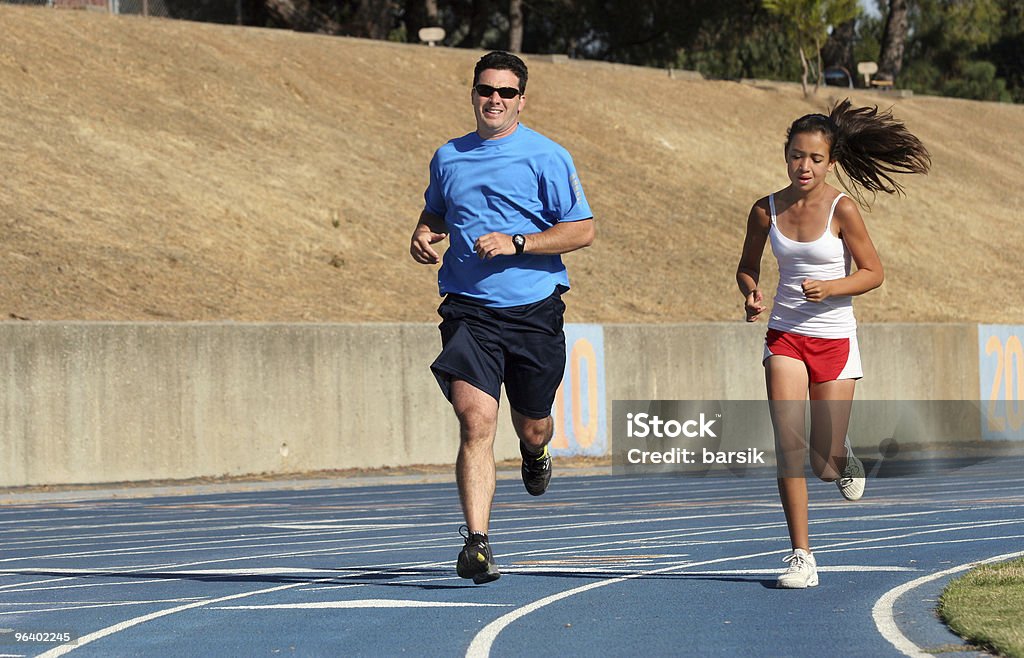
[(159, 170)]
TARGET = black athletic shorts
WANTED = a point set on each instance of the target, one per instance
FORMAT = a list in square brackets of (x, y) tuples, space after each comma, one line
[(522, 346)]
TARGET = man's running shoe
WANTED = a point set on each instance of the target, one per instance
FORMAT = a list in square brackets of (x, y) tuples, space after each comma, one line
[(536, 470), (475, 560), (802, 571), (851, 482)]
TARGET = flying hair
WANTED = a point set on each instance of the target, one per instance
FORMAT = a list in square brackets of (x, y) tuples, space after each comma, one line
[(870, 146)]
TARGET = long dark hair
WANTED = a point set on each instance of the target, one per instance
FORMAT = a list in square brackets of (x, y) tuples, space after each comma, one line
[(869, 145)]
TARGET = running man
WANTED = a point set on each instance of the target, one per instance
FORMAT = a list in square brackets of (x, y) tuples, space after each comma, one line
[(510, 202)]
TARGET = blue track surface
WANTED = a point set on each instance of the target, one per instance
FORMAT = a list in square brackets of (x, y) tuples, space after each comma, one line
[(599, 565)]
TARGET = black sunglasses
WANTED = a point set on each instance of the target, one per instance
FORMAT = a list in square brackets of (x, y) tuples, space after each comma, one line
[(486, 91)]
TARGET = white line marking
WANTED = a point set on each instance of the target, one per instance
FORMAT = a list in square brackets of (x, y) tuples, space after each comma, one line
[(251, 571), (187, 598), (126, 583), (362, 603), (135, 621), (482, 642), (774, 572), (76, 606), (332, 526), (882, 612), (507, 518), (128, 623), (317, 589)]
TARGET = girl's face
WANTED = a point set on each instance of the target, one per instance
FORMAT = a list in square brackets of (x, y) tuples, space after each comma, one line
[(808, 160)]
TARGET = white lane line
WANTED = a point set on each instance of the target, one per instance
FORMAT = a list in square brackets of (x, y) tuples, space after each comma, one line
[(287, 525), (76, 606), (135, 621), (124, 583), (218, 544), (915, 544), (333, 587), (34, 582), (483, 641), (183, 573), (178, 600), (419, 543), (882, 612), (362, 603), (850, 568)]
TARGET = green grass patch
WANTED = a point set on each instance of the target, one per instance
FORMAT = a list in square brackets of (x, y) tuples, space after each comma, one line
[(986, 607)]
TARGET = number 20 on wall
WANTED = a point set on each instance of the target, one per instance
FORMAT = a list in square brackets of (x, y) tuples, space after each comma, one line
[(1002, 380)]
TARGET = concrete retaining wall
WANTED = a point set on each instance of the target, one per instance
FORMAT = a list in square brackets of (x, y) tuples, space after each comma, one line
[(722, 361), (108, 402)]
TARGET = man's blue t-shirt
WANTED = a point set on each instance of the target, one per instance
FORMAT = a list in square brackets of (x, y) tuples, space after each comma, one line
[(522, 183)]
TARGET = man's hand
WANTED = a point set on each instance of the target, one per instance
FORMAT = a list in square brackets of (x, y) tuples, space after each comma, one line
[(494, 244), (420, 246)]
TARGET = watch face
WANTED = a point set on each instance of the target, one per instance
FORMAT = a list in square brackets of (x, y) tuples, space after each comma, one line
[(519, 242)]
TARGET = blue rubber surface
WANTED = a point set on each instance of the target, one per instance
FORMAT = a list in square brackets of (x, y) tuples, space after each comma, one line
[(599, 565)]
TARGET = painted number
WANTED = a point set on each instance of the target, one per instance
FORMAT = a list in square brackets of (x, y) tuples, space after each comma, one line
[(581, 368), (1007, 384)]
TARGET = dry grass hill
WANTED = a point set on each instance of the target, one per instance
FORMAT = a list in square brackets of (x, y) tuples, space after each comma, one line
[(163, 170)]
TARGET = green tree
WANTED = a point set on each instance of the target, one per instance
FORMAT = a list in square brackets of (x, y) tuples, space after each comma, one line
[(869, 38), (1007, 52), (948, 45), (977, 80), (739, 40), (808, 23)]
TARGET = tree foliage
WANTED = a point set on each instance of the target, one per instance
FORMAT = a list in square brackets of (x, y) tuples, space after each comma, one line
[(969, 48), (950, 48), (742, 41), (808, 23), (1007, 51)]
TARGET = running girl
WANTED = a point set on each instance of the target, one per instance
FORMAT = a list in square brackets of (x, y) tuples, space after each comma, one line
[(811, 345)]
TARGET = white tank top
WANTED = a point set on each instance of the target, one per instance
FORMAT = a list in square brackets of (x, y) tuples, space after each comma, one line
[(824, 259)]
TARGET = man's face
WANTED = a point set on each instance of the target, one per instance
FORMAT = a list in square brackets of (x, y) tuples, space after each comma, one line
[(496, 116)]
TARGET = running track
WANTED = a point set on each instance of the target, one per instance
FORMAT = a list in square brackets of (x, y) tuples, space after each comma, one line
[(599, 565)]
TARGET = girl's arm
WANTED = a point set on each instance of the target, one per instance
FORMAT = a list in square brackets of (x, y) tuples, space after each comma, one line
[(869, 274), (748, 272)]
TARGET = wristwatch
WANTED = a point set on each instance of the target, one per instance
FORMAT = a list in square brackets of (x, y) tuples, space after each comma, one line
[(519, 242)]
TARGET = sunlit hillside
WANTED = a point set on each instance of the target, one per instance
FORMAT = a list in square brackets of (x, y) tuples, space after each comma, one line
[(166, 170)]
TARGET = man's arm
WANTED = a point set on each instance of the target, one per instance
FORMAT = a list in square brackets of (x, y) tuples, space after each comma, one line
[(430, 230), (561, 238)]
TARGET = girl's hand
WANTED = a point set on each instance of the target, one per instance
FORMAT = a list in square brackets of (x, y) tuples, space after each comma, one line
[(753, 304), (816, 291)]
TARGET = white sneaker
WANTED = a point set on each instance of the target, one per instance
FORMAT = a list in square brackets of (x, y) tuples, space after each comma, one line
[(851, 482), (802, 571)]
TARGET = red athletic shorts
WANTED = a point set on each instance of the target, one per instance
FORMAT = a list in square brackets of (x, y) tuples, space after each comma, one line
[(827, 359)]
